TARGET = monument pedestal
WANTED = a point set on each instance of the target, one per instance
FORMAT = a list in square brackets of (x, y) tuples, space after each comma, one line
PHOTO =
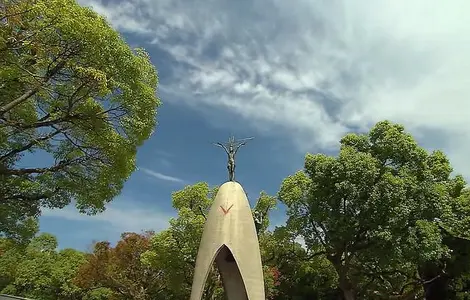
[(230, 239)]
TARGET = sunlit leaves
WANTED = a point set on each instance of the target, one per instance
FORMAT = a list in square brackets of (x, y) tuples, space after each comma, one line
[(174, 250), (40, 271), (379, 202), (73, 92)]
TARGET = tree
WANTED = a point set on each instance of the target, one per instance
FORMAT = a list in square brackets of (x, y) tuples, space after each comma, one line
[(174, 250), (452, 273), (117, 273), (300, 274), (263, 206), (374, 210), (41, 272), (261, 209), (76, 95), (11, 254)]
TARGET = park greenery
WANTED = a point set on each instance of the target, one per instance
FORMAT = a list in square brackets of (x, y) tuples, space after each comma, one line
[(72, 91), (382, 219)]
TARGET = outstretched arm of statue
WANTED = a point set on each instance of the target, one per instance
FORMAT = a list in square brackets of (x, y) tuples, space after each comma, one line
[(222, 146), (238, 147)]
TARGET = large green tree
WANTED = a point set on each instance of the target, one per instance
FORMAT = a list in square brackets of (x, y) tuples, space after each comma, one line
[(39, 271), (375, 210), (300, 274), (450, 276), (77, 96), (11, 254)]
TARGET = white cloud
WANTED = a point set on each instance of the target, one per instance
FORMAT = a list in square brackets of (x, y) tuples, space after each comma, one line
[(122, 16), (119, 216), (161, 176), (313, 69)]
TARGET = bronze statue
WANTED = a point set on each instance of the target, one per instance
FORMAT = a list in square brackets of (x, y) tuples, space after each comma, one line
[(231, 148)]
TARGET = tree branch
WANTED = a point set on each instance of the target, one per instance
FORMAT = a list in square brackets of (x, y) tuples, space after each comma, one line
[(15, 14), (49, 74), (32, 197), (29, 146), (43, 123), (320, 237), (28, 171), (4, 109), (311, 256), (202, 213)]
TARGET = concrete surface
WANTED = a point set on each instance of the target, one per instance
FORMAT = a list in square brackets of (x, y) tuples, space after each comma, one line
[(231, 241)]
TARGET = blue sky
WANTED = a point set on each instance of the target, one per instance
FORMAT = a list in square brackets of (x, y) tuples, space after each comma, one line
[(297, 75)]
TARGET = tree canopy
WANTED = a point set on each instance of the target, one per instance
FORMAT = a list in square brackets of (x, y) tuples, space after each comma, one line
[(376, 211), (160, 265), (73, 93), (382, 219), (39, 271)]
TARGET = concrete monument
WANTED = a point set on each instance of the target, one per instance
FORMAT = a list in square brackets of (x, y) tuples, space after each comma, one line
[(230, 240)]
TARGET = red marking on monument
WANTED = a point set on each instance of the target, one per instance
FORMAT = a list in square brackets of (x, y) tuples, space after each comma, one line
[(226, 211)]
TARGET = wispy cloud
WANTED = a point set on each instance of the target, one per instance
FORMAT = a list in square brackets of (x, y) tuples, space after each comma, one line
[(164, 158), (120, 216), (163, 153), (164, 162), (161, 176), (314, 70)]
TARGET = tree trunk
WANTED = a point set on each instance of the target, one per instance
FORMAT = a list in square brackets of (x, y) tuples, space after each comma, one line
[(344, 283), (347, 289)]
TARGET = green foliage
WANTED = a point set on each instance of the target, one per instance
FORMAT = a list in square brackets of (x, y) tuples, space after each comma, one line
[(174, 250), (99, 294), (45, 242), (384, 219), (263, 206), (72, 91), (38, 271), (11, 254), (374, 208), (301, 274)]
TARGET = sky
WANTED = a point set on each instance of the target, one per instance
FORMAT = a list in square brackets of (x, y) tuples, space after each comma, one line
[(297, 75)]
